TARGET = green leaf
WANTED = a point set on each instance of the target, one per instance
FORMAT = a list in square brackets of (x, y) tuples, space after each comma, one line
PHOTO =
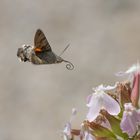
[(115, 125), (100, 131)]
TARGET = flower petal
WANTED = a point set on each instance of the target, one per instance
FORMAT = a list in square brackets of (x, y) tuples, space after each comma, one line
[(105, 88), (127, 125), (89, 99), (131, 70), (94, 111), (96, 97), (111, 105)]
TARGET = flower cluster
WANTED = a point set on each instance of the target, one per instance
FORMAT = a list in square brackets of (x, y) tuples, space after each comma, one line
[(114, 111)]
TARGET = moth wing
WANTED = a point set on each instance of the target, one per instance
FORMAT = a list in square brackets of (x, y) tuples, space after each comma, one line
[(40, 42)]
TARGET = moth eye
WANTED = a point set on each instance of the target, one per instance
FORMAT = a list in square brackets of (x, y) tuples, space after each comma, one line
[(19, 52)]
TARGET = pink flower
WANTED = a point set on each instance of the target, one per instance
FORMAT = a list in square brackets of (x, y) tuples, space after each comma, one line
[(100, 100), (130, 120)]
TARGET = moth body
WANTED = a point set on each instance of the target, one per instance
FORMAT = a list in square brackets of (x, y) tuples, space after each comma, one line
[(41, 52)]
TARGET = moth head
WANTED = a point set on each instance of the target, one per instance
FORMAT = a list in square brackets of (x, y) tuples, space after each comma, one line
[(22, 53)]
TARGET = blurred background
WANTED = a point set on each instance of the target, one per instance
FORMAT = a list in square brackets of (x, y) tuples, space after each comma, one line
[(36, 101)]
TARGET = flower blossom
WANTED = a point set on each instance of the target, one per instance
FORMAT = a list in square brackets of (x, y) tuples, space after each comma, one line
[(130, 120), (67, 135), (101, 100)]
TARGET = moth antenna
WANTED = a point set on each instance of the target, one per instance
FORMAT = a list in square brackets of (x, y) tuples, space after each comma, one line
[(64, 49), (69, 65)]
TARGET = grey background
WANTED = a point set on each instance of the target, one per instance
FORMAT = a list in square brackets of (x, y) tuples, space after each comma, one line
[(36, 101)]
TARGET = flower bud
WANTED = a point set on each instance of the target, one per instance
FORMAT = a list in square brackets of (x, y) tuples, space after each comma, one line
[(135, 90)]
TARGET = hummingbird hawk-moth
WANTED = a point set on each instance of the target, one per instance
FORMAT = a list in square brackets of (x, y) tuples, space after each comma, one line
[(41, 52)]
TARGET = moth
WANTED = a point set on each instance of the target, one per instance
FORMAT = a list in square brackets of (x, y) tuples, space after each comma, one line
[(41, 52)]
